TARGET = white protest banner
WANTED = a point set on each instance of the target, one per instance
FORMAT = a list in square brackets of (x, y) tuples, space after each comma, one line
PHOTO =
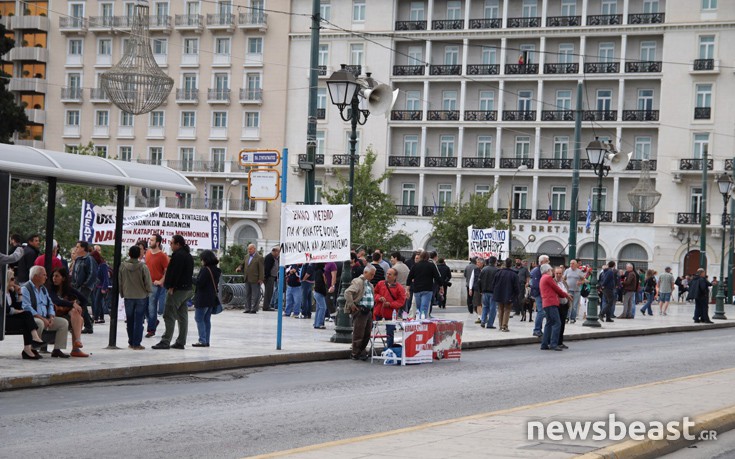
[(488, 242), (315, 234), (200, 228)]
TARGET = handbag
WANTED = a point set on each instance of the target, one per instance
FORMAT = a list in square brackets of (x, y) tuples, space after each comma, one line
[(218, 307), (585, 292)]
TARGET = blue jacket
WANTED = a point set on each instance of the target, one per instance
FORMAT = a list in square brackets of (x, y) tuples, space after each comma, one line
[(535, 280), (607, 279), (506, 286)]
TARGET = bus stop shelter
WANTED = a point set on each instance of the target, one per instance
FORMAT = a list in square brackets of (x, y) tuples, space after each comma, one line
[(55, 167)]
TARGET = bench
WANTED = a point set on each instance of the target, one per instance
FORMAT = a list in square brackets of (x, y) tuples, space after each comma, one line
[(48, 336)]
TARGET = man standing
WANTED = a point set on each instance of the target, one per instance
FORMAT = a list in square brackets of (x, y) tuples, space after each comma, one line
[(536, 294), (487, 283), (467, 275), (330, 274), (574, 278), (699, 292), (630, 287), (379, 270), (389, 298), (270, 263), (177, 283), (359, 303), (36, 301), (401, 268), (30, 253), (607, 285), (55, 260), (664, 289), (84, 278), (135, 287), (524, 275), (307, 288), (505, 291), (475, 290), (293, 291), (254, 275), (157, 262)]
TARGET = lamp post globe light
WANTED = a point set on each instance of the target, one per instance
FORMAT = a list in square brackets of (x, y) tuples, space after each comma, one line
[(597, 155), (724, 183), (227, 210)]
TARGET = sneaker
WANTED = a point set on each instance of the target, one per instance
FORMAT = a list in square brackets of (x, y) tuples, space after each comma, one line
[(564, 346), (150, 334), (537, 334), (478, 321)]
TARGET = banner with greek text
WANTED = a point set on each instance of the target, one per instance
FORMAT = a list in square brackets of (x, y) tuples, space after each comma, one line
[(200, 229), (315, 234), (488, 242)]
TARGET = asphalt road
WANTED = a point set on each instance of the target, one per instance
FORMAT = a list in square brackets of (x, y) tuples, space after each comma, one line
[(239, 413)]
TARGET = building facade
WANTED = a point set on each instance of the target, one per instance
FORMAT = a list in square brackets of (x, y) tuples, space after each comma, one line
[(488, 90)]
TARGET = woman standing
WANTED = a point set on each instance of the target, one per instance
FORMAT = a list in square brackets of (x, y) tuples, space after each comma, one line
[(550, 296), (649, 288), (99, 295), (68, 303), (18, 319), (205, 298)]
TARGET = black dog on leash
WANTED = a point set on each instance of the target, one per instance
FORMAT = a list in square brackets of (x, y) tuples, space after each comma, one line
[(528, 307)]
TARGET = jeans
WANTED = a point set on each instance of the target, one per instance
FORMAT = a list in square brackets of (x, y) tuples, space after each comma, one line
[(99, 304), (576, 296), (203, 318), (306, 289), (423, 301), (489, 310), (156, 304), (552, 328), (321, 309), (649, 302), (135, 309), (293, 300), (540, 314)]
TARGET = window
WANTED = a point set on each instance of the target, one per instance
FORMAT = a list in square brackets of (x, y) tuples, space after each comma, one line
[(695, 204), (191, 46), (529, 9), (524, 101), (648, 51), (416, 12), (645, 99), (604, 100), (318, 190), (190, 81), (566, 53), (451, 55), (125, 153), (520, 197), (564, 99), (72, 117), (218, 159), (408, 194), (529, 53), (324, 55), (126, 119), (489, 55), (523, 146), (449, 100), (415, 55), (104, 47), (487, 101), (485, 146), (106, 11), (609, 7), (76, 47), (188, 119), (255, 45), (410, 145), (325, 10), (445, 195), (321, 99), (704, 95), (156, 155), (446, 146), (454, 10), (491, 9), (161, 12), (76, 11), (192, 9), (357, 52), (74, 80), (102, 118), (558, 198), (252, 84), (482, 190), (707, 47), (568, 7), (219, 119), (603, 199), (413, 101), (224, 8), (358, 10), (561, 147), (252, 119), (321, 142), (157, 118), (642, 147), (222, 46), (650, 6), (100, 150), (709, 4), (606, 53), (187, 158), (221, 81), (701, 144)]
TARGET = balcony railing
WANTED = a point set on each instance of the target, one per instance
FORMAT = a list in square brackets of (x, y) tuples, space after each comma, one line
[(430, 211), (515, 163), (344, 160), (556, 215), (69, 23), (218, 95), (519, 115), (643, 67), (600, 115), (555, 163), (602, 67), (440, 161), (704, 64), (604, 216), (483, 69), (409, 70), (689, 164), (410, 25), (187, 95), (196, 165), (646, 18), (728, 164), (71, 93), (445, 69), (635, 217), (517, 214), (521, 69), (690, 218), (321, 113), (221, 20), (407, 210), (355, 69), (189, 21), (637, 164), (406, 115), (702, 113), (516, 23), (486, 23), (257, 19), (480, 115), (563, 21), (478, 163), (98, 94), (640, 115), (404, 161), (448, 24), (256, 95), (319, 158), (557, 115), (604, 19), (101, 22), (443, 115), (162, 22), (554, 69), (322, 70)]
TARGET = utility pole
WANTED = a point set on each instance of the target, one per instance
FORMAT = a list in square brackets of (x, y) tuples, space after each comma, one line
[(575, 174), (703, 211), (309, 185)]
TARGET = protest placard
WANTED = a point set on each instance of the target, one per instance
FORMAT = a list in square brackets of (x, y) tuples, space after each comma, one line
[(315, 234), (488, 242)]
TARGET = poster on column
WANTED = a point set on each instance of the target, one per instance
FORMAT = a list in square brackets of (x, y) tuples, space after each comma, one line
[(200, 228), (315, 234), (488, 242), (418, 342)]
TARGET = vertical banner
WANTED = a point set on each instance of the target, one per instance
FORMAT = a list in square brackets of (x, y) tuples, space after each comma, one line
[(315, 234), (488, 242)]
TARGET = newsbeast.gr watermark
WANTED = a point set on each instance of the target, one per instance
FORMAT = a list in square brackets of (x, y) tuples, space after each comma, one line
[(612, 429)]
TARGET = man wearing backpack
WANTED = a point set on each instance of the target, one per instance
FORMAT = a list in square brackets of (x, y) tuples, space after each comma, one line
[(84, 278)]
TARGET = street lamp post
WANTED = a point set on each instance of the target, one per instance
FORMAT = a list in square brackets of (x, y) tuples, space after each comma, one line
[(724, 183), (597, 154), (227, 210)]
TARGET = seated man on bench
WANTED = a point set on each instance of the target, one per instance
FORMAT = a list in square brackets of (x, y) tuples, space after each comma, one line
[(16, 319), (36, 301)]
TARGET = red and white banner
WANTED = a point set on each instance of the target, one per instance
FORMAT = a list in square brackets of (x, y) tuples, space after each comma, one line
[(448, 339), (418, 342)]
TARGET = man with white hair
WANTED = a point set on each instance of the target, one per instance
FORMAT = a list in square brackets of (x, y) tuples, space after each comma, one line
[(536, 294), (359, 303), (55, 260), (253, 276), (36, 300)]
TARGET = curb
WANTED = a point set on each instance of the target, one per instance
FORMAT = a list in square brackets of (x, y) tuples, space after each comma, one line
[(719, 421), (106, 374)]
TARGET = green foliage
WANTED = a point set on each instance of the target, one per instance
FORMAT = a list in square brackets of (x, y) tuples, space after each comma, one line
[(450, 225), (13, 116), (234, 256), (373, 212)]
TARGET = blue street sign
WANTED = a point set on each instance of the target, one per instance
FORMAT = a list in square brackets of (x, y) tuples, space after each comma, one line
[(260, 157)]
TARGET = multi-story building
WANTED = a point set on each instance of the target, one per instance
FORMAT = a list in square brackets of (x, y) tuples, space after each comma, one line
[(488, 90), (229, 72)]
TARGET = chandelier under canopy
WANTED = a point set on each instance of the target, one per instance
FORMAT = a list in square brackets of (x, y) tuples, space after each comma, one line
[(644, 196)]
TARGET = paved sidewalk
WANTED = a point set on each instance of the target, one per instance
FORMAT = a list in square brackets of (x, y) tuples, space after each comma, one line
[(242, 340), (503, 433)]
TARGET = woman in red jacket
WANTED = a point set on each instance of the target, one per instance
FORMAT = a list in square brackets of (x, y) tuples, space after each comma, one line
[(389, 296), (550, 294)]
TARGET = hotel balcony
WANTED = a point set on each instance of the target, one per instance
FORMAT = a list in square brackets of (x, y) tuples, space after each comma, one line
[(404, 161), (28, 85), (563, 21), (160, 24), (478, 163), (445, 70), (410, 25), (635, 217), (448, 24), (221, 22), (604, 19), (98, 96), (440, 161), (41, 23), (602, 67), (254, 96), (480, 115), (407, 210), (218, 96), (27, 53), (72, 95), (407, 70), (561, 69), (643, 67), (187, 96), (483, 69), (486, 23), (406, 115), (101, 24), (691, 218), (646, 18), (36, 116), (640, 115), (191, 22), (521, 69), (517, 23), (73, 25), (515, 163), (254, 21)]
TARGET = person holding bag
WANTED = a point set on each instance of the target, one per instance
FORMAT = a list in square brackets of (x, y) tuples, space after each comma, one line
[(206, 299)]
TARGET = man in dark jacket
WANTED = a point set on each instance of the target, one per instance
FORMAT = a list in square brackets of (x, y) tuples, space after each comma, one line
[(446, 274), (475, 290), (505, 291), (467, 274), (487, 283), (270, 262), (699, 292), (177, 283), (30, 253), (607, 285)]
